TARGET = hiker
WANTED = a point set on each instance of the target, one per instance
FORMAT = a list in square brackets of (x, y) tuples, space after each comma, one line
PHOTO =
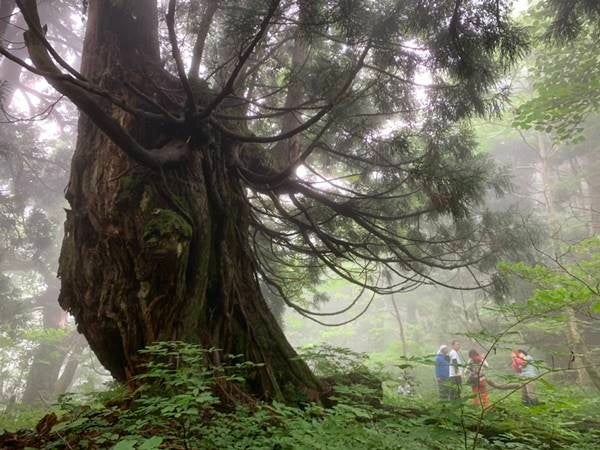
[(528, 372), (456, 364), (442, 372), (476, 378), (517, 362)]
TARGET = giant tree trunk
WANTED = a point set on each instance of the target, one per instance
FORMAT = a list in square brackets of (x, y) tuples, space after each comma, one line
[(162, 255)]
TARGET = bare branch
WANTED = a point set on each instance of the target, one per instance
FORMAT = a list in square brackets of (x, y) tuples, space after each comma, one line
[(173, 153), (33, 22), (58, 76)]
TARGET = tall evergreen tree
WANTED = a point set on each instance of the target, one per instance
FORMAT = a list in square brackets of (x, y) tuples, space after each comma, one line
[(33, 176), (297, 136)]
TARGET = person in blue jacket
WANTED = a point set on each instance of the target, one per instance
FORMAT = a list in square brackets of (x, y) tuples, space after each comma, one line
[(442, 372)]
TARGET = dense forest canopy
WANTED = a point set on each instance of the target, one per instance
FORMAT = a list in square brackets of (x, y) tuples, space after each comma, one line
[(396, 171)]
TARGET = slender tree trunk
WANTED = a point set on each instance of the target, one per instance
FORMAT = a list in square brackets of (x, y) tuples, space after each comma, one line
[(6, 9), (10, 72), (580, 348), (151, 256), (286, 151), (593, 181), (400, 326), (573, 333), (65, 380), (49, 356)]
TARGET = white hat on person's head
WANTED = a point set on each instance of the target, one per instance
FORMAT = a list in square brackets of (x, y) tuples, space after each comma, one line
[(442, 347)]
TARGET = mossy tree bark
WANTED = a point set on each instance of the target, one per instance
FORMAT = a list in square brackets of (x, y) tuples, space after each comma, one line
[(162, 254)]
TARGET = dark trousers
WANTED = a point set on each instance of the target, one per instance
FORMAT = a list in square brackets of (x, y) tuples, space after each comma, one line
[(444, 388), (455, 386)]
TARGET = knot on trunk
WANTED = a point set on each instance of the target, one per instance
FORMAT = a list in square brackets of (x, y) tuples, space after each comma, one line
[(166, 233)]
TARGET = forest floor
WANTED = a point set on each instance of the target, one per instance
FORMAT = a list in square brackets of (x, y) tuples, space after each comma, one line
[(180, 409)]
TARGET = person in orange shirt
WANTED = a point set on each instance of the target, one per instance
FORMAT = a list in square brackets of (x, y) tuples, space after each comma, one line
[(476, 379)]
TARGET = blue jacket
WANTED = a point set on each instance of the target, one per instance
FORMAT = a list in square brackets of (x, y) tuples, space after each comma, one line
[(442, 366)]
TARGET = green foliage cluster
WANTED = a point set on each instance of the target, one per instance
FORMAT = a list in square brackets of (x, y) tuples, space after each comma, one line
[(573, 282), (565, 80), (21, 417), (569, 17)]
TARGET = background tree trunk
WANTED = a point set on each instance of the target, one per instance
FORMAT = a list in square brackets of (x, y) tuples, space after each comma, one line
[(573, 333), (49, 356), (400, 326), (10, 73), (6, 9), (593, 181), (65, 380), (162, 255)]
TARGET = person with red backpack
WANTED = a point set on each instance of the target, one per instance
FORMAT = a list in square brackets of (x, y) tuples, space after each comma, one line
[(523, 365), (517, 362)]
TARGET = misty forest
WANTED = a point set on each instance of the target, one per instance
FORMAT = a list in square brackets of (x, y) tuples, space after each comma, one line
[(299, 224)]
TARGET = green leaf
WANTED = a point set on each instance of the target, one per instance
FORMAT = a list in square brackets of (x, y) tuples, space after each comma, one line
[(126, 444), (151, 443)]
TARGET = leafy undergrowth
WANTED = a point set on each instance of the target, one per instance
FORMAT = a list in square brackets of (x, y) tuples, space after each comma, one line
[(177, 406)]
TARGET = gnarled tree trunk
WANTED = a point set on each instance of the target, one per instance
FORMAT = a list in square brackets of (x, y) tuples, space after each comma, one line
[(153, 254)]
